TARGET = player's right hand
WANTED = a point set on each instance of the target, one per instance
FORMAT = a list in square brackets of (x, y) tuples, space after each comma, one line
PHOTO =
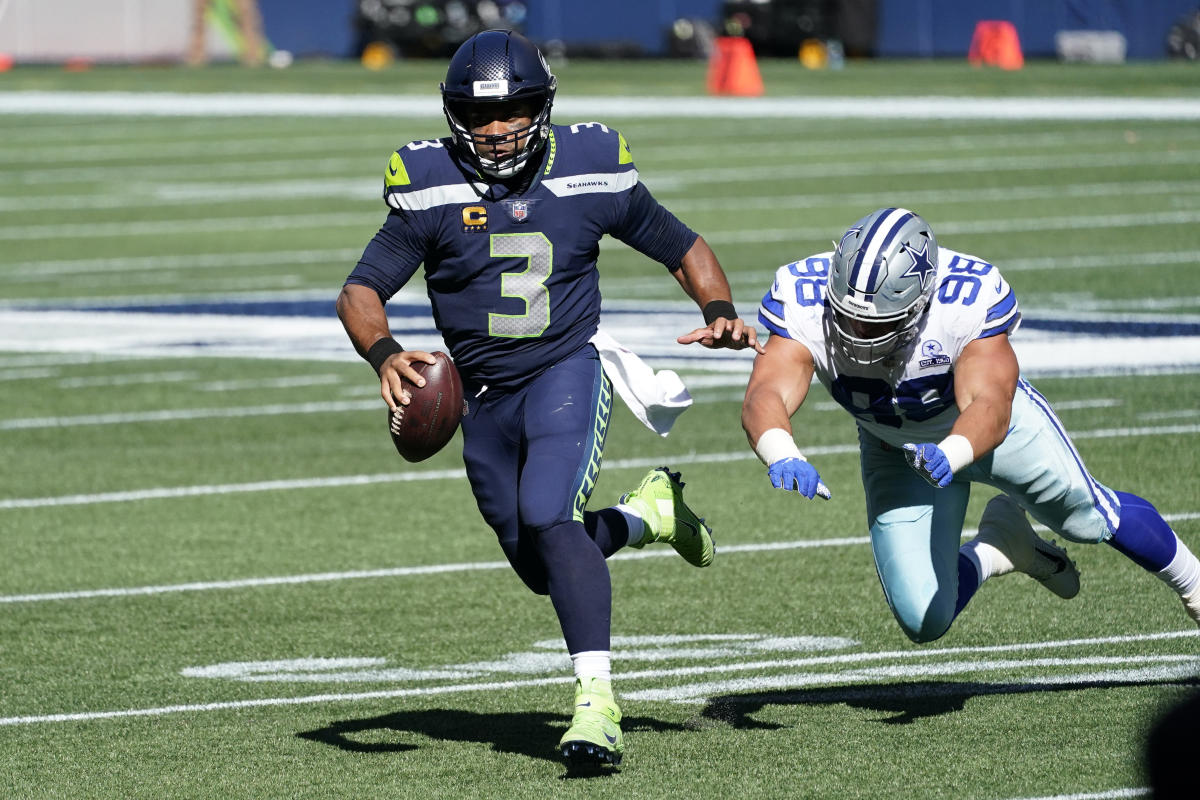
[(928, 460), (797, 475), (397, 369)]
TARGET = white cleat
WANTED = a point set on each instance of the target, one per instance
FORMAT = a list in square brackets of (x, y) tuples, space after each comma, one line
[(1005, 527)]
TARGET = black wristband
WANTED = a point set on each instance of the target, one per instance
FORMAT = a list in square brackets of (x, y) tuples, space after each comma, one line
[(718, 309), (379, 352)]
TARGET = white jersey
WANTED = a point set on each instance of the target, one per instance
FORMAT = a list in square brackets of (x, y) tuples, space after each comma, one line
[(908, 397)]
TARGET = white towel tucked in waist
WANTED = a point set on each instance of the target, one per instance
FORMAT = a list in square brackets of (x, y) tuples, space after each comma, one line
[(655, 398)]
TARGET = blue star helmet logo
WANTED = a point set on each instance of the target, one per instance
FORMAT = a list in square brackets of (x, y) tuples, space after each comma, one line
[(921, 267)]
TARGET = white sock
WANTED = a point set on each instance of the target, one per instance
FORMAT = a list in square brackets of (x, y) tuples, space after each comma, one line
[(988, 559), (1183, 573), (633, 520), (593, 664)]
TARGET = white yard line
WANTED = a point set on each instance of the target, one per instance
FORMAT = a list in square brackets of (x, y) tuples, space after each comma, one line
[(590, 107), (394, 572), (435, 569), (201, 490), (169, 227), (339, 166), (28, 373), (369, 220), (1176, 414), (238, 142), (175, 415), (1110, 433), (366, 189), (189, 147), (923, 198), (661, 181), (282, 382), (1165, 674), (360, 480), (215, 335), (1109, 794), (39, 270), (1096, 402), (128, 379), (617, 290)]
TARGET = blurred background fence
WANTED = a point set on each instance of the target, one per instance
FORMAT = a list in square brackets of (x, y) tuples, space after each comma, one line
[(129, 31)]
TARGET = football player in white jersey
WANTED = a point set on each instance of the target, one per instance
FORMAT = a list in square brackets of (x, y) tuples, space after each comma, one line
[(913, 340)]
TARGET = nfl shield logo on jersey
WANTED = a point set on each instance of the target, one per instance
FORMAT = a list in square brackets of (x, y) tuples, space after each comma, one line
[(518, 210)]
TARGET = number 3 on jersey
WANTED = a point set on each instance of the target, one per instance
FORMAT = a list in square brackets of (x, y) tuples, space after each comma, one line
[(529, 284)]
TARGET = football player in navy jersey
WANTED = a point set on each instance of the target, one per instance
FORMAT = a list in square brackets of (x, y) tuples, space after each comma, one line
[(506, 215), (913, 341)]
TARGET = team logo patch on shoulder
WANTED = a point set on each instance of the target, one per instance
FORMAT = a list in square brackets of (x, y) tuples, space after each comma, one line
[(396, 174), (474, 218), (519, 210), (624, 154), (932, 350)]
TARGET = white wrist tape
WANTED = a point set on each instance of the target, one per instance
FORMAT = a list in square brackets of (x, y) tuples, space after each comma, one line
[(958, 450), (776, 444)]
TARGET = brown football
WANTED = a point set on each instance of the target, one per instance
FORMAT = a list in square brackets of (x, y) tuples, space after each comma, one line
[(425, 425)]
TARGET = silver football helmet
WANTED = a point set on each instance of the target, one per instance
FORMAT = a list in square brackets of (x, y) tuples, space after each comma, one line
[(880, 282)]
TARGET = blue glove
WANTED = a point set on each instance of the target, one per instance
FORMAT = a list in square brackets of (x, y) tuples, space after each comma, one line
[(930, 463), (797, 475)]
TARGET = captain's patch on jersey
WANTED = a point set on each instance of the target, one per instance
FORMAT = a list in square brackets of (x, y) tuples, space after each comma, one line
[(474, 218)]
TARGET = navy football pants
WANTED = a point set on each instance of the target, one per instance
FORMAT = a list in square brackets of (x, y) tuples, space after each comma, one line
[(532, 457)]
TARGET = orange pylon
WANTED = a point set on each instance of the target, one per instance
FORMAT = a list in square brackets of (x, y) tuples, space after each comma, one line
[(733, 68), (995, 42)]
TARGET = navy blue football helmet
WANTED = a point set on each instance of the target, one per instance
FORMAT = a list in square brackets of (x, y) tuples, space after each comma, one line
[(492, 69)]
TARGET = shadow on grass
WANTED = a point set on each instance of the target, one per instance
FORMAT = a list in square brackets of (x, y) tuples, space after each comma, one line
[(527, 734), (904, 702)]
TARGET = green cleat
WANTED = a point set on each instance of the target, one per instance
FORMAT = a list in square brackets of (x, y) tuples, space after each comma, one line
[(659, 501), (594, 738)]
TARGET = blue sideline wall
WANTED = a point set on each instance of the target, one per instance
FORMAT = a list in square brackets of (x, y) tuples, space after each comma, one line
[(937, 28), (310, 27), (644, 23), (325, 27), (906, 28)]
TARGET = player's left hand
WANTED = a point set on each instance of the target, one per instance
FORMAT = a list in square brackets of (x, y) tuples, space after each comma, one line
[(730, 334), (930, 463)]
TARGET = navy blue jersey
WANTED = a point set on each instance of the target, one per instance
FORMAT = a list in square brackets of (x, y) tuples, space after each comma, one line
[(512, 275)]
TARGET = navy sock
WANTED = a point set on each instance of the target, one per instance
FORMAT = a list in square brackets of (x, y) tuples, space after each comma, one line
[(1143, 535), (607, 528), (968, 583), (579, 586)]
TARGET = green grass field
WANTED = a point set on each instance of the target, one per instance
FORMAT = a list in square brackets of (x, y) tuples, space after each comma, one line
[(219, 581)]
